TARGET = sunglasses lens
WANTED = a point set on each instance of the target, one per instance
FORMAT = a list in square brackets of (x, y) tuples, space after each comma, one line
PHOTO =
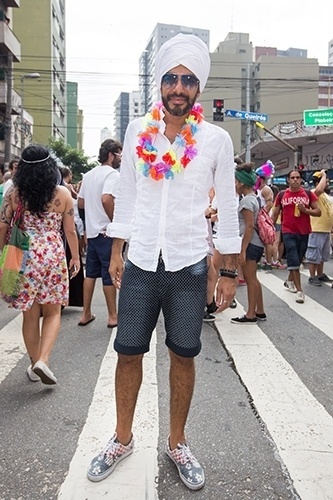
[(190, 81), (171, 79)]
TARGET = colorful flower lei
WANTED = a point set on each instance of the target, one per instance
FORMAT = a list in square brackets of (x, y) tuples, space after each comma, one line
[(170, 164)]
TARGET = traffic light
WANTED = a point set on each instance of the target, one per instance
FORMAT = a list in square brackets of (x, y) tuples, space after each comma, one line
[(218, 110)]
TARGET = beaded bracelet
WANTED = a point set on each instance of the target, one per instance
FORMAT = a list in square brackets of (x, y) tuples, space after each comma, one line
[(228, 273)]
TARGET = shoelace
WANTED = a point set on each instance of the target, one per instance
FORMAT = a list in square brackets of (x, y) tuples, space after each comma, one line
[(183, 454), (114, 448)]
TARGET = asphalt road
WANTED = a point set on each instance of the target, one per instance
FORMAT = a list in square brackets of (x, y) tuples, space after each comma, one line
[(260, 422)]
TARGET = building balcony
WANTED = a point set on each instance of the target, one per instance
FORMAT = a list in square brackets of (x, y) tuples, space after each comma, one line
[(16, 99), (9, 44), (12, 3)]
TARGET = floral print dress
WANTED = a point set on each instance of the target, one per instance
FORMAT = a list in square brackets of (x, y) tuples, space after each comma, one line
[(46, 273)]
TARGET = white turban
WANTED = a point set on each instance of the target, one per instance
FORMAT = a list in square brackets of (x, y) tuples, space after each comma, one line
[(186, 50)]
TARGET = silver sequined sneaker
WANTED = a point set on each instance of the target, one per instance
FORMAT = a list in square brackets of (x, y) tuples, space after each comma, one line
[(189, 469), (105, 463)]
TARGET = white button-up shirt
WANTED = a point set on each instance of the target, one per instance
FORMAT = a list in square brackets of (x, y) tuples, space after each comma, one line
[(168, 216)]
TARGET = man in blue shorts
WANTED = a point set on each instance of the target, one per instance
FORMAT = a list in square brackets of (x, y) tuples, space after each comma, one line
[(171, 159), (97, 194)]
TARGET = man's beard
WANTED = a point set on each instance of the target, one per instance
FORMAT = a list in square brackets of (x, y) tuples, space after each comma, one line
[(178, 110), (327, 190)]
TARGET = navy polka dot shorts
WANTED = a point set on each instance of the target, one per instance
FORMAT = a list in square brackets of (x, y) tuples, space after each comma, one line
[(180, 295)]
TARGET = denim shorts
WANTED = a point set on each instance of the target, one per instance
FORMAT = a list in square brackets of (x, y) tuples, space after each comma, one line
[(295, 245), (180, 295), (254, 252), (98, 258)]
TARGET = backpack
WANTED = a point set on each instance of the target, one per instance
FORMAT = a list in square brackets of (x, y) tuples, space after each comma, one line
[(266, 228)]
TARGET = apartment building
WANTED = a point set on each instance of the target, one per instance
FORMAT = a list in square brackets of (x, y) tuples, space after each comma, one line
[(74, 117), (10, 52), (325, 95), (40, 27), (330, 52), (263, 80)]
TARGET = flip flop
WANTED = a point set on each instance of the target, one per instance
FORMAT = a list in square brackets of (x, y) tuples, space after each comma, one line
[(87, 322), (112, 326)]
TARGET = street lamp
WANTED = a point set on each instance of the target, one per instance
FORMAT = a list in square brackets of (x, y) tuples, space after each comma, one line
[(32, 76)]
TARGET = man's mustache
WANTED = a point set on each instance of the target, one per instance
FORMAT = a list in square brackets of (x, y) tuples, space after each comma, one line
[(183, 96)]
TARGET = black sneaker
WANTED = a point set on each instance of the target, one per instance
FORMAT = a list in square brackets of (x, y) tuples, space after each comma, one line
[(208, 318), (244, 320), (189, 469), (326, 279), (212, 307), (261, 316), (314, 280)]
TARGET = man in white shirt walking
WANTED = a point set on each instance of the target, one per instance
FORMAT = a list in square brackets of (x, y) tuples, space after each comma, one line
[(97, 195), (171, 159), (12, 168)]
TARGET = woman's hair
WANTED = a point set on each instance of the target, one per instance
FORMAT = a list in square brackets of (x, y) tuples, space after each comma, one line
[(248, 167), (37, 177)]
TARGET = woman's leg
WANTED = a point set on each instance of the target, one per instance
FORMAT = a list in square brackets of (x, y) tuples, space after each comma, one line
[(250, 276), (50, 330), (31, 332)]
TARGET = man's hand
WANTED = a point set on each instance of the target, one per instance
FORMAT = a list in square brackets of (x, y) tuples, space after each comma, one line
[(116, 269), (225, 292)]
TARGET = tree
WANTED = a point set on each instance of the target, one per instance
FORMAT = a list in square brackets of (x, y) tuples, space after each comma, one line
[(78, 162)]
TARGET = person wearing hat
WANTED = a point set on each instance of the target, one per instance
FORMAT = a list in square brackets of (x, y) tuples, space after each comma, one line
[(252, 246), (318, 251), (171, 159)]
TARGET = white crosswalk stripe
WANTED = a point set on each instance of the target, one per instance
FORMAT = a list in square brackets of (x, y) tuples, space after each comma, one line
[(141, 466), (300, 427)]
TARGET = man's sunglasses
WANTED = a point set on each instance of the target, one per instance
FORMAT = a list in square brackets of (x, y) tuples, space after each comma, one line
[(171, 79)]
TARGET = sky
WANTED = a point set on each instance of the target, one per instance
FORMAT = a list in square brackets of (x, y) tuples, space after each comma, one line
[(105, 38)]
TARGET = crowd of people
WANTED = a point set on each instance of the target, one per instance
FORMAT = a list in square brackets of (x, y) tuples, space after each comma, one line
[(153, 256)]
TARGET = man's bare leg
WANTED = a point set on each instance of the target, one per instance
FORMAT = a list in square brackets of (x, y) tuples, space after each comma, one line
[(182, 377), (88, 290), (128, 382), (110, 294)]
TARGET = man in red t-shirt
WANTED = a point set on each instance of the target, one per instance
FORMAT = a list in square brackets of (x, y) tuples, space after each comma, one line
[(296, 205)]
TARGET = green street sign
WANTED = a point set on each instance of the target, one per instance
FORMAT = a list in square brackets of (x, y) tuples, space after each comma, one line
[(316, 117)]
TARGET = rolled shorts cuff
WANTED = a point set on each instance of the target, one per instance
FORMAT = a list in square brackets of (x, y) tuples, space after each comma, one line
[(130, 350), (181, 351)]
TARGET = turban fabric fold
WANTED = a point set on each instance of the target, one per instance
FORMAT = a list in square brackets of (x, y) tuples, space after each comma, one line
[(186, 50)]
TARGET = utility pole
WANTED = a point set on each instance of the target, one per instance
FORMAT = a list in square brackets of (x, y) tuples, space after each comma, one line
[(248, 122), (8, 116), (290, 146)]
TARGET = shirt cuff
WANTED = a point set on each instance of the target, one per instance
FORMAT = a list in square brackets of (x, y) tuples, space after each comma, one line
[(229, 245), (117, 230)]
